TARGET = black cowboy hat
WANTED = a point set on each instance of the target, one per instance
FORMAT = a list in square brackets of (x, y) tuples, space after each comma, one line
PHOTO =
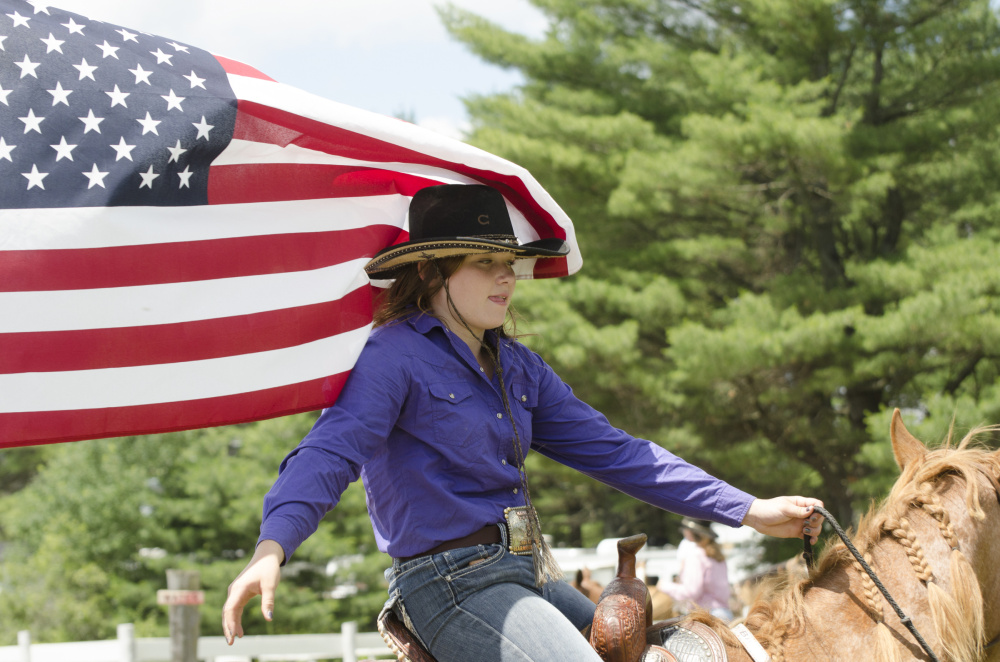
[(458, 219)]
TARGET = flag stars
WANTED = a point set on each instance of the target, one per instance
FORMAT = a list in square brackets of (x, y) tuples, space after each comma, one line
[(2, 37), (52, 44), (149, 124), (185, 176), (175, 152), (122, 151), (91, 123), (118, 98), (177, 47), (161, 57), (28, 67), (5, 150), (19, 20), (3, 95), (74, 27), (63, 151), (195, 80), (203, 128), (127, 36), (108, 49), (59, 95), (96, 177), (31, 122), (148, 177), (141, 75), (35, 178), (173, 101), (86, 70), (40, 7)]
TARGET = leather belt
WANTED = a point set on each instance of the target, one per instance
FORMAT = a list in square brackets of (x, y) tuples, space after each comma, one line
[(488, 535)]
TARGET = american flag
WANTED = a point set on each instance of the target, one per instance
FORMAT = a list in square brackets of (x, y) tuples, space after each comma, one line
[(182, 238)]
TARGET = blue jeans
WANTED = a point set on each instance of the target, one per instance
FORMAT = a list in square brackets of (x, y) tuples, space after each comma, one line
[(481, 603)]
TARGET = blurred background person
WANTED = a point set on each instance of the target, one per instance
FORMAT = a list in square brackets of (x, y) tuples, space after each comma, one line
[(703, 580)]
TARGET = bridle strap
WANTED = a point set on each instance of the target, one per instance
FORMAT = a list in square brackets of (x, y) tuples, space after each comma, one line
[(904, 619)]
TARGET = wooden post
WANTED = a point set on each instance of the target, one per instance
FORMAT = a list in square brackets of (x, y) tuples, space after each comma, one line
[(185, 621), (126, 642), (24, 644)]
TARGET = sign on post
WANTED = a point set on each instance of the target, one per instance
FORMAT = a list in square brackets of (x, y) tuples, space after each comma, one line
[(179, 597)]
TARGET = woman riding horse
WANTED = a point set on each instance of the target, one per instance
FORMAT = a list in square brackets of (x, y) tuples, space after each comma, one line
[(437, 417)]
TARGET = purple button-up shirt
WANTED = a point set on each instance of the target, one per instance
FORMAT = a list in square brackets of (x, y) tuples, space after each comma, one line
[(428, 433)]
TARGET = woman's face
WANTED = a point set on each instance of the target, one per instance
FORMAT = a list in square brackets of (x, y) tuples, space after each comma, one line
[(481, 290)]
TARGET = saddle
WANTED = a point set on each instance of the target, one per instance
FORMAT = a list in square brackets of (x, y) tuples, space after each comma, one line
[(622, 629)]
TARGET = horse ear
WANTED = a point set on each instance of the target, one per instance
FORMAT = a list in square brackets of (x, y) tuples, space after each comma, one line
[(905, 447)]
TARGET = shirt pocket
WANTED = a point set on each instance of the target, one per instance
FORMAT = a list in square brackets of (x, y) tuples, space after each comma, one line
[(524, 399), (456, 419)]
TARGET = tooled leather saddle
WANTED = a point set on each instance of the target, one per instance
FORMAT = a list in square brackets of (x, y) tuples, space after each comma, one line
[(622, 629)]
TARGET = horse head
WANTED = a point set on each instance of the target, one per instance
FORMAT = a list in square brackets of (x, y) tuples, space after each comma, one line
[(958, 490), (934, 546)]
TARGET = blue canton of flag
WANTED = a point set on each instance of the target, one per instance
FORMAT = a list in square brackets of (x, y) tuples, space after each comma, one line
[(95, 115)]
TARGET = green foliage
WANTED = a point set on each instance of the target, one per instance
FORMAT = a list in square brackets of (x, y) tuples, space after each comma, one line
[(87, 543), (805, 186)]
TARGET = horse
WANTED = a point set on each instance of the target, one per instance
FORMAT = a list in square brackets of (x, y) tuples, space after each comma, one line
[(934, 545), (932, 542)]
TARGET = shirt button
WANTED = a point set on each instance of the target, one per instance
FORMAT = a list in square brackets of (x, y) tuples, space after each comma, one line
[(504, 462), (515, 490), (524, 398), (499, 415), (451, 395)]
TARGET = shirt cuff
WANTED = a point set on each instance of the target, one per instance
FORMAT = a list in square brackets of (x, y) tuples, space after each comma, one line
[(732, 506), (280, 534)]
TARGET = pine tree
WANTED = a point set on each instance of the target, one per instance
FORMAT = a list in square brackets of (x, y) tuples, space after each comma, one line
[(788, 221)]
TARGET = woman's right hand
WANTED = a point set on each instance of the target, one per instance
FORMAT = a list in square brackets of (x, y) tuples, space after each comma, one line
[(260, 577)]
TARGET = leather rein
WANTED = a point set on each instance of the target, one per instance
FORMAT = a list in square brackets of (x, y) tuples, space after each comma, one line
[(904, 619)]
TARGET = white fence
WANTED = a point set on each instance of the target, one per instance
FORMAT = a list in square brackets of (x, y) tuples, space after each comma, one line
[(349, 645)]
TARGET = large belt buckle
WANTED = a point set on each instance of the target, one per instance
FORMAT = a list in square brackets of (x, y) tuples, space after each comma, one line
[(520, 522)]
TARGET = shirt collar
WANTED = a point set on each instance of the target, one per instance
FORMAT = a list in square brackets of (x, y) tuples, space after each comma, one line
[(425, 324)]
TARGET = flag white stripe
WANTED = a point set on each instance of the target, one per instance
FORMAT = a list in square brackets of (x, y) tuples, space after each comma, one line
[(101, 227), (178, 382), (169, 303), (244, 152)]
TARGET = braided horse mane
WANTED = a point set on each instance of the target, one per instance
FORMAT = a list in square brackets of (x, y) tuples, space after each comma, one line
[(914, 511)]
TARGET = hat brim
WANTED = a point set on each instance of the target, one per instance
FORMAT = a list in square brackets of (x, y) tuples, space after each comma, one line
[(388, 261), (699, 529)]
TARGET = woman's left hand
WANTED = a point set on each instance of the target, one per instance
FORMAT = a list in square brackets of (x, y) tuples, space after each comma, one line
[(786, 517)]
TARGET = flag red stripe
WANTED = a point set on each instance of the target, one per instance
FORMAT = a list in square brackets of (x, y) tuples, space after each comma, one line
[(24, 429), (152, 264), (274, 182), (260, 123), (56, 351), (240, 69), (551, 267)]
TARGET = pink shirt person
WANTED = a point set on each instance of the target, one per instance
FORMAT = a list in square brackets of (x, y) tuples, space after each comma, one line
[(703, 580)]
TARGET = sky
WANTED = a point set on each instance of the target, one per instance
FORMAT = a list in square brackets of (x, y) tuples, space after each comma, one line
[(388, 56)]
